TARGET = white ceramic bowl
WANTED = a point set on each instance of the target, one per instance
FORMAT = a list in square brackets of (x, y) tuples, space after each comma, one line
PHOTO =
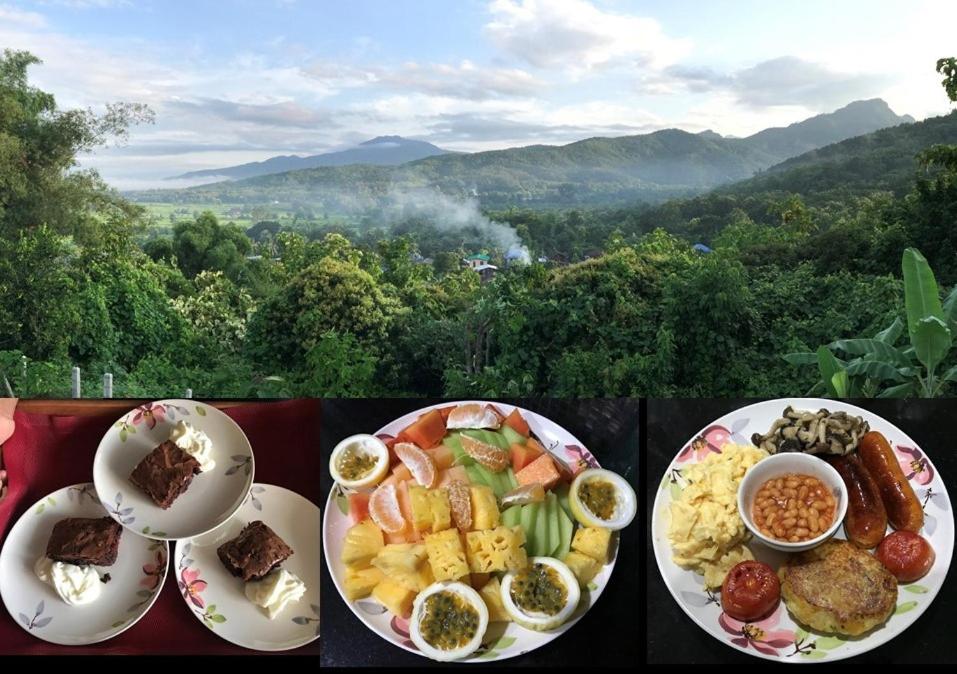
[(776, 466)]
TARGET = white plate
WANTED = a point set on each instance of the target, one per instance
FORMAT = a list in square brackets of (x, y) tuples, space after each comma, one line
[(781, 638), (502, 640), (136, 577), (212, 497), (216, 597)]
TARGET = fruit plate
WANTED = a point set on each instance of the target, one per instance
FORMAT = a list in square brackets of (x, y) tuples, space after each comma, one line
[(503, 640), (212, 497), (216, 597), (136, 577), (779, 637)]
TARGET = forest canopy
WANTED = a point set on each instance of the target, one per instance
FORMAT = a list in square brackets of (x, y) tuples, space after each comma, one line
[(613, 301)]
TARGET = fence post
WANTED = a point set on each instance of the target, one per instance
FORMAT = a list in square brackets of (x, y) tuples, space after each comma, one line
[(107, 385), (189, 394), (75, 383)]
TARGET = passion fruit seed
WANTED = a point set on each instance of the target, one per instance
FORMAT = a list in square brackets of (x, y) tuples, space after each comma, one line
[(355, 465), (599, 496), (539, 589), (448, 621)]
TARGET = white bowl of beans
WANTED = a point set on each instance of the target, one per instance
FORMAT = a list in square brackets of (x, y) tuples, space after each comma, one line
[(793, 501)]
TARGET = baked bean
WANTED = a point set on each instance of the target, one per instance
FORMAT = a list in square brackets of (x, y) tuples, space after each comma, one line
[(793, 508)]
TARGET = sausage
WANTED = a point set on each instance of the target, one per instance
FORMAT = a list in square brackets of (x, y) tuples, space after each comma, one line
[(903, 509), (866, 520)]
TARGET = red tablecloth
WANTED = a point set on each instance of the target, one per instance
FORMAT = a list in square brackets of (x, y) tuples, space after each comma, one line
[(47, 453)]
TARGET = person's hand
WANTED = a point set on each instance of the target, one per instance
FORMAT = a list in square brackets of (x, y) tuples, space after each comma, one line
[(3, 484)]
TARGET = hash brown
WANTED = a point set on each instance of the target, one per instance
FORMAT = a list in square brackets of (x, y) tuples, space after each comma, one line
[(838, 588)]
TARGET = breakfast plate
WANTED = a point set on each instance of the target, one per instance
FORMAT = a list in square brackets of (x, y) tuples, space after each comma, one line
[(217, 598), (778, 635), (133, 581), (502, 639), (210, 499)]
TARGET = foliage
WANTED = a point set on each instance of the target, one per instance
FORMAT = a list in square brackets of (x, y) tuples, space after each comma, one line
[(877, 365)]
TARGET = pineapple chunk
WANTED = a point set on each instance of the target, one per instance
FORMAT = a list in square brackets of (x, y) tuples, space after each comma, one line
[(359, 583), (485, 513), (404, 563), (584, 567), (491, 594), (400, 557), (440, 510), (446, 555), (416, 580), (363, 542), (499, 549), (592, 541), (421, 510), (395, 597)]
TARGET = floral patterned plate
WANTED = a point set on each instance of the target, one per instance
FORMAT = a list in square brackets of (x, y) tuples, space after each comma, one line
[(779, 637), (213, 496), (502, 640), (135, 580), (216, 597)]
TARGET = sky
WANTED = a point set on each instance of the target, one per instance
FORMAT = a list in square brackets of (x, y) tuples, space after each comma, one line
[(232, 81)]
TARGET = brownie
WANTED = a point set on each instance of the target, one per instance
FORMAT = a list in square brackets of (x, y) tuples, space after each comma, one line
[(165, 473), (85, 540), (256, 551)]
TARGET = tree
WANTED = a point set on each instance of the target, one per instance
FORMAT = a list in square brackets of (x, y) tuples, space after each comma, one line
[(327, 295), (218, 312), (38, 304), (39, 180), (203, 244), (948, 68)]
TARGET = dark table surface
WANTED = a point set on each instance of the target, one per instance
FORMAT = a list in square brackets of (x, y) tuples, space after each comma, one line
[(674, 638), (604, 636)]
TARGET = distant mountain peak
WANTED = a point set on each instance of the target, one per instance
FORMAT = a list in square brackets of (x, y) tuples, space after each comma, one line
[(378, 140), (378, 151)]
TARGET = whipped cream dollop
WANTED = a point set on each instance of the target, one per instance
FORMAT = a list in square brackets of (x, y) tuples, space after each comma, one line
[(274, 591), (195, 443), (76, 585)]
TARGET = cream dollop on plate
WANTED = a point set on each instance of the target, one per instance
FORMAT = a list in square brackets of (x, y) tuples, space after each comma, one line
[(195, 443), (274, 591), (76, 585)]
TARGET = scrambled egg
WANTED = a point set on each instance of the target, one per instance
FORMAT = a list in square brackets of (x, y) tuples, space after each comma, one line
[(706, 532)]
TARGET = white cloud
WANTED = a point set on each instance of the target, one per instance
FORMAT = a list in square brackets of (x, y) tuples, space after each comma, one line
[(464, 80), (576, 35), (11, 16), (782, 81)]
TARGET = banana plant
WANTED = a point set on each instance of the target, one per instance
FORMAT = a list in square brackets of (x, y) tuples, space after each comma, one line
[(885, 365)]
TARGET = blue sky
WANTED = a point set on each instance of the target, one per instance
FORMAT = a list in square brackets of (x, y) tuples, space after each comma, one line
[(242, 80)]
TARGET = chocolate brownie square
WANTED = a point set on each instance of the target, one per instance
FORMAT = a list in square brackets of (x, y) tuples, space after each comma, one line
[(85, 540), (256, 551), (165, 473)]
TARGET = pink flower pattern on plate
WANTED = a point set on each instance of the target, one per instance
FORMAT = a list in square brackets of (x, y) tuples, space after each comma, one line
[(760, 635), (191, 586), (915, 465), (150, 414), (153, 572), (711, 440)]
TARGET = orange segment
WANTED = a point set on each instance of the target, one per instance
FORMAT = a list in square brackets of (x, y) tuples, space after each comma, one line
[(473, 415), (493, 458), (461, 504), (419, 463), (384, 509)]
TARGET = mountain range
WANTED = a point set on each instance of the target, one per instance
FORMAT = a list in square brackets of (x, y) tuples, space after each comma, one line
[(380, 151), (597, 171)]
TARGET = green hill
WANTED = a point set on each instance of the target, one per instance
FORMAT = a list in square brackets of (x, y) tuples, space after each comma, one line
[(884, 160), (597, 171)]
